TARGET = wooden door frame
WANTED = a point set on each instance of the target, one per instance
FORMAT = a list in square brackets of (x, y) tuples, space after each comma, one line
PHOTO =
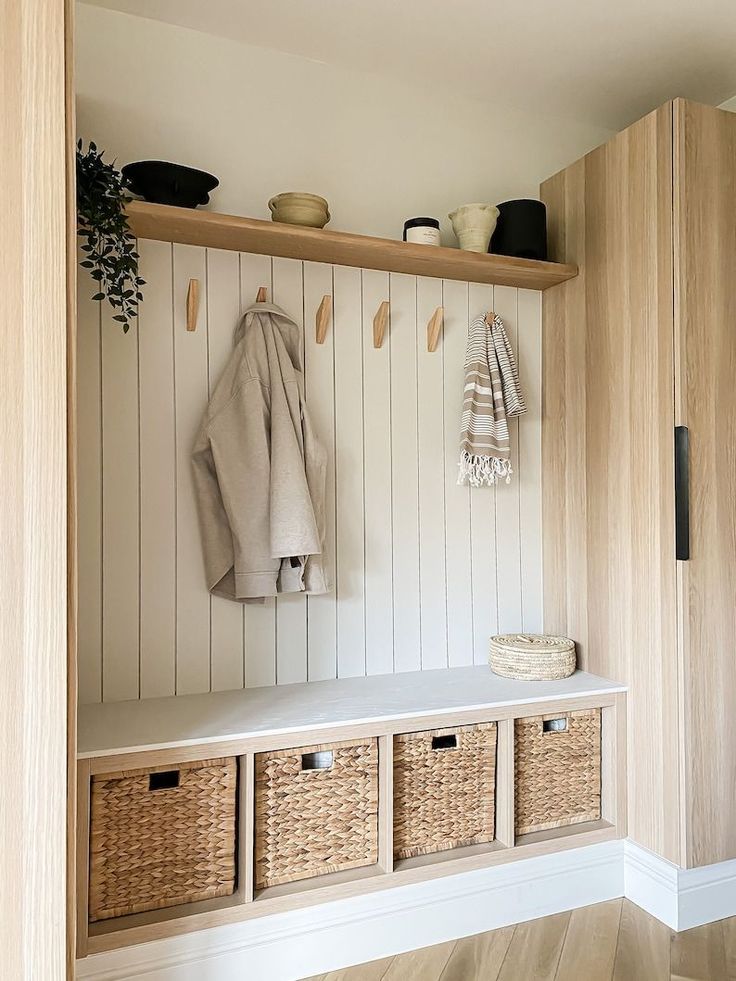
[(37, 652)]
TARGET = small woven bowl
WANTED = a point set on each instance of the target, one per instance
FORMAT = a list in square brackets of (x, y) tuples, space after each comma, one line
[(532, 657)]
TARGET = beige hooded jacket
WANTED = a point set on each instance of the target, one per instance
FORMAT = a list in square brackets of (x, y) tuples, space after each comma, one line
[(259, 472)]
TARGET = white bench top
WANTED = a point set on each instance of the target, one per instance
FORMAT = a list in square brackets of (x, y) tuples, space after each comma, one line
[(185, 720)]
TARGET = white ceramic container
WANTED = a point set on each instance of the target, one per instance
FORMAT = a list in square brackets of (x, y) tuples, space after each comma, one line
[(300, 208), (422, 231), (473, 225)]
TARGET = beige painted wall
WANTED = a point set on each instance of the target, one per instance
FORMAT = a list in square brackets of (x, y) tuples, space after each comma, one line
[(380, 150)]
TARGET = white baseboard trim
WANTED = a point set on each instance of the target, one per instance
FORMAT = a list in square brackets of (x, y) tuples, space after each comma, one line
[(707, 894), (305, 942), (681, 898), (318, 939), (651, 882)]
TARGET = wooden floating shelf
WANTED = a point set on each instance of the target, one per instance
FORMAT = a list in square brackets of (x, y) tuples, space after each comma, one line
[(206, 228)]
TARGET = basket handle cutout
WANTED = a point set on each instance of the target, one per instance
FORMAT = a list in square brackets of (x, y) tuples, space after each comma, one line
[(317, 761), (554, 725), (444, 742), (164, 780)]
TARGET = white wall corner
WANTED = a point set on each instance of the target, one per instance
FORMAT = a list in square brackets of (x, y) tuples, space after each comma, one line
[(305, 942)]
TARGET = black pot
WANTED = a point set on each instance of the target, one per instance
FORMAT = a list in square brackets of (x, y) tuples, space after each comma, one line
[(521, 230), (168, 183)]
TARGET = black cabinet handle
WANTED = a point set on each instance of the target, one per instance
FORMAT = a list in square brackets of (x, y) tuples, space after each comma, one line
[(682, 493)]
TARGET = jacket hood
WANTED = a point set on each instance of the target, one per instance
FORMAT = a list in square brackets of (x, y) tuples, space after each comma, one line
[(285, 321)]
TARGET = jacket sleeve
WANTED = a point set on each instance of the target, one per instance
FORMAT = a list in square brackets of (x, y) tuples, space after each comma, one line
[(217, 541), (293, 525)]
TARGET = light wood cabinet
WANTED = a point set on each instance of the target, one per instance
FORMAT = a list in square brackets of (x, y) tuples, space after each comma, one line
[(642, 341)]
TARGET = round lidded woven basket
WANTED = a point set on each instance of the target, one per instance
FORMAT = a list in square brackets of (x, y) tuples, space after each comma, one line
[(532, 657)]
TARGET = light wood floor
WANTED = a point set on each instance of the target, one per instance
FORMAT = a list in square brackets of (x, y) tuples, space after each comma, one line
[(613, 941)]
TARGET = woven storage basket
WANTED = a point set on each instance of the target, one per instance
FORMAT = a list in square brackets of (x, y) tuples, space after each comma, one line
[(532, 657), (160, 837), (444, 789), (558, 770), (316, 811)]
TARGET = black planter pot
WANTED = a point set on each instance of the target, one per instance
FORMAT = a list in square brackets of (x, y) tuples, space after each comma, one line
[(168, 183), (521, 230)]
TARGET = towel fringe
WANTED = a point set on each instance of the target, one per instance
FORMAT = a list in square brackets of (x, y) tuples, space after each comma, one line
[(478, 470)]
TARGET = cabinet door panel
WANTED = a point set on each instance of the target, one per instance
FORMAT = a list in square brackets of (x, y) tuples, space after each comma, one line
[(607, 448), (705, 305)]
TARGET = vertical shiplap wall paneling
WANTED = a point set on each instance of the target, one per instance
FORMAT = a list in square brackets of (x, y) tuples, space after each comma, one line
[(120, 511), (89, 501), (529, 351), (350, 529), (157, 473), (320, 385), (458, 552), (291, 610), (483, 526), (431, 465), (424, 570), (379, 593), (405, 473), (508, 536), (190, 394), (222, 308), (260, 618)]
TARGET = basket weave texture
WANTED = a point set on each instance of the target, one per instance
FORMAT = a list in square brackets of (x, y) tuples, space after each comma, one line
[(532, 657), (558, 774), (150, 849), (309, 822), (444, 797)]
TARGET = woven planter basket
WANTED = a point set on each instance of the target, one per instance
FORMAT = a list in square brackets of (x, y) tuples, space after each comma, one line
[(161, 837), (444, 789), (316, 811), (532, 657), (558, 770)]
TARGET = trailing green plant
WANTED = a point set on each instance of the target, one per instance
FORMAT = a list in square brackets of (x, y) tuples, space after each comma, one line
[(109, 246)]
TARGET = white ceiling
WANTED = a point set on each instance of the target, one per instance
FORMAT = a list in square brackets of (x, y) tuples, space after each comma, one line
[(595, 60)]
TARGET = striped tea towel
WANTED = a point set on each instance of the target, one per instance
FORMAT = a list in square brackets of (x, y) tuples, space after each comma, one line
[(492, 394)]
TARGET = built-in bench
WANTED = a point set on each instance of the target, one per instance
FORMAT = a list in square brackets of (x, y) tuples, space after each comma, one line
[(161, 734)]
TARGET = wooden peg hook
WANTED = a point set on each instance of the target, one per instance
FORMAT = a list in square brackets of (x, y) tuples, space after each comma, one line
[(261, 294), (434, 327), (192, 304), (380, 323), (322, 321)]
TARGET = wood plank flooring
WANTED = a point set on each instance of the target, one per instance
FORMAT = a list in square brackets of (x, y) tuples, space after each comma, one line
[(613, 941)]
